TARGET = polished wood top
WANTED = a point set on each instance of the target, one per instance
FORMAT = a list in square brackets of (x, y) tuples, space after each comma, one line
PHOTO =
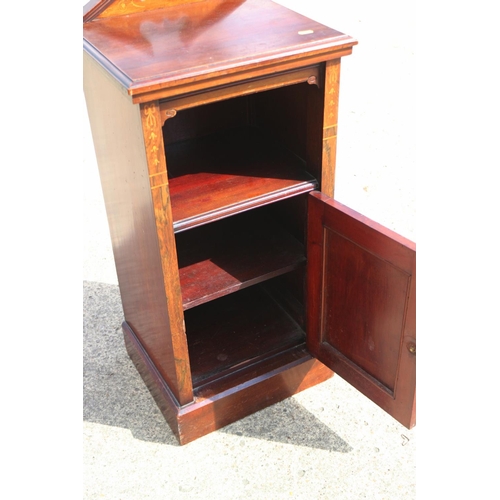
[(111, 8), (171, 46)]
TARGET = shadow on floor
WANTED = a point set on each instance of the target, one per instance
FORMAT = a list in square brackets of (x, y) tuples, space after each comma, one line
[(114, 393)]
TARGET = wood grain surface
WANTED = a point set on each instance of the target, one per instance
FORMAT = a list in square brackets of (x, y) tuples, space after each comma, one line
[(184, 44)]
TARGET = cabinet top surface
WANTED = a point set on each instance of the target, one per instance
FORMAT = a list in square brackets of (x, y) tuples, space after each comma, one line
[(159, 48)]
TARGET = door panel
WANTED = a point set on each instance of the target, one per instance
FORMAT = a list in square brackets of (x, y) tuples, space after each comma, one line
[(361, 304)]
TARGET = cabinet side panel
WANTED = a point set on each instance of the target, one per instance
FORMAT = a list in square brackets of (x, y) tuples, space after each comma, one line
[(118, 140)]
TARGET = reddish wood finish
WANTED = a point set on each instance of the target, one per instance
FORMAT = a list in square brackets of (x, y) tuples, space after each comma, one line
[(183, 48), (310, 75), (123, 166), (361, 313)]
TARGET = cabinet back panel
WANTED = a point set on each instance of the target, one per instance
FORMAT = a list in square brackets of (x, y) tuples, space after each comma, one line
[(293, 115), (204, 120), (282, 112), (291, 214)]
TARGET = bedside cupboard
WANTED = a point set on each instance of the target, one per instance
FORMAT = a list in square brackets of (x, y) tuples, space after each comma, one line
[(243, 280)]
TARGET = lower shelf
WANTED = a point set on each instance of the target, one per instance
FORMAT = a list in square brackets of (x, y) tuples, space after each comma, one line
[(236, 331)]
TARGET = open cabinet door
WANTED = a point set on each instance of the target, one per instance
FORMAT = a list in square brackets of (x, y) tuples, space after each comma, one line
[(361, 304)]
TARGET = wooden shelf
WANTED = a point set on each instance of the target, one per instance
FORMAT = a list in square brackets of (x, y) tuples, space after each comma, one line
[(233, 254), (236, 331), (230, 172)]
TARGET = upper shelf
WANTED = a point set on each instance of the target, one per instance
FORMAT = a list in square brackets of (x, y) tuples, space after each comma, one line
[(180, 44), (228, 173)]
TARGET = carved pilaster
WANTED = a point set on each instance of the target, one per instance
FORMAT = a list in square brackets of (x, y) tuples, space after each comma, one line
[(158, 178)]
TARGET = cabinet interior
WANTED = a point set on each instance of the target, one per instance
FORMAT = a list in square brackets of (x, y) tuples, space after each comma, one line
[(239, 173)]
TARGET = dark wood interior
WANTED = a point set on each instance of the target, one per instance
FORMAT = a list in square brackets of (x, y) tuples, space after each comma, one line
[(224, 158), (230, 333), (234, 253), (229, 156), (242, 282)]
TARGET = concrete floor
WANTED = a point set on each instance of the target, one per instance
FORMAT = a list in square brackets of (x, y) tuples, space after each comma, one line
[(329, 442)]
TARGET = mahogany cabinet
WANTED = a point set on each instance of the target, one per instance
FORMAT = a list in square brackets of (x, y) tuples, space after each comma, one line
[(242, 280)]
